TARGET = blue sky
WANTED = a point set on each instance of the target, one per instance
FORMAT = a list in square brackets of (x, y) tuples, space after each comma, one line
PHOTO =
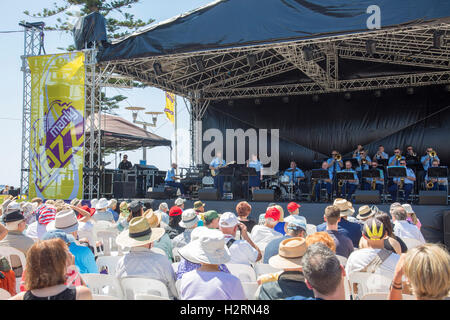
[(11, 84)]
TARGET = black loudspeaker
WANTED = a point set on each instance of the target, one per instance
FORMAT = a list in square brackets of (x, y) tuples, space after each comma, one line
[(208, 194), (446, 223), (124, 190), (367, 196), (156, 193), (264, 195), (432, 197)]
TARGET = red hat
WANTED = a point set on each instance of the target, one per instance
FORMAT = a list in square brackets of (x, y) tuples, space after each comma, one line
[(292, 206), (273, 213), (175, 211), (86, 208)]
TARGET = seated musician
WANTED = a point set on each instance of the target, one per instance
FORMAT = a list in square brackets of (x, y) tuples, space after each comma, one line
[(170, 179), (255, 181), (380, 154), (408, 183), (333, 164), (215, 164), (125, 164), (363, 161), (440, 184), (379, 182), (295, 174), (427, 159), (321, 184), (396, 158), (349, 186)]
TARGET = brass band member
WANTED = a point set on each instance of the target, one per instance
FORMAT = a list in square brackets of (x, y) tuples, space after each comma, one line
[(395, 159), (408, 183), (428, 158), (295, 174), (380, 154), (440, 184), (349, 186), (411, 154), (334, 163), (377, 183), (327, 183)]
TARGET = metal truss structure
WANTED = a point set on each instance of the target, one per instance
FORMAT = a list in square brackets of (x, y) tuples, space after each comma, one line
[(33, 45), (296, 67)]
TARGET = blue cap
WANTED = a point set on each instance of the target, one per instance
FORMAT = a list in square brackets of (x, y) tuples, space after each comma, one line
[(295, 221), (57, 234)]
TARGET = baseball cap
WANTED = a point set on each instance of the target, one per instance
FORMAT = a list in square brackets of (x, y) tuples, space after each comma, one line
[(228, 220), (179, 201), (175, 211), (292, 206), (210, 215), (273, 213), (295, 222)]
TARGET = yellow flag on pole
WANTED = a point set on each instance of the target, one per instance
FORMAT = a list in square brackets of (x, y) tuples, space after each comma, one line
[(170, 106)]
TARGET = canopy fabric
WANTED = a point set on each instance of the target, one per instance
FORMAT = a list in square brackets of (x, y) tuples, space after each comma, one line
[(231, 23), (120, 134)]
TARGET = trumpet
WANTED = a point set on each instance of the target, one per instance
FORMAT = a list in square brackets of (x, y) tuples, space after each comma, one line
[(338, 157), (398, 157), (430, 185), (432, 154), (364, 161)]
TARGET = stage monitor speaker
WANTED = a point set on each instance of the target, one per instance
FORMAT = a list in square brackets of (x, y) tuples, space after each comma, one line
[(208, 194), (156, 193), (446, 223), (124, 190), (107, 183), (432, 197), (367, 196), (264, 195)]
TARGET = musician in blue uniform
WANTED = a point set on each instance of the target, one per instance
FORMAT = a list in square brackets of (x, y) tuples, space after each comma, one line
[(393, 161), (380, 154), (333, 164), (295, 174), (363, 161), (170, 179), (255, 181), (324, 184), (427, 159), (440, 184), (379, 182), (216, 163), (408, 183), (349, 186)]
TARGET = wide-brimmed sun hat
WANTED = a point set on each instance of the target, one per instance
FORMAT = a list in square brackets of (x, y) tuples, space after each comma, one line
[(102, 204), (208, 248), (153, 218), (189, 219), (290, 254), (139, 233), (365, 212), (65, 220), (345, 207)]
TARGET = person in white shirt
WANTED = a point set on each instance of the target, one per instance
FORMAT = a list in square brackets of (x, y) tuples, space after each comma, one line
[(241, 251), (263, 234), (189, 221), (373, 257), (404, 229)]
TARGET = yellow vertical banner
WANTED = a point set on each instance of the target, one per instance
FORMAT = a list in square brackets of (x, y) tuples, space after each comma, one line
[(170, 106), (57, 126)]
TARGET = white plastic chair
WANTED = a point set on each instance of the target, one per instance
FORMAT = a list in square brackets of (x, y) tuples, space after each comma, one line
[(360, 279), (175, 266), (178, 286), (4, 295), (10, 251), (110, 262), (368, 283), (103, 297), (250, 289), (176, 255), (348, 291), (107, 233), (242, 271), (133, 286), (342, 260), (264, 268), (141, 296), (310, 229), (103, 284), (411, 243)]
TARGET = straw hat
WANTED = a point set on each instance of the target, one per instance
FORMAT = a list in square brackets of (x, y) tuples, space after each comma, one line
[(364, 212), (345, 207), (139, 233), (153, 218), (65, 220), (208, 248), (290, 254)]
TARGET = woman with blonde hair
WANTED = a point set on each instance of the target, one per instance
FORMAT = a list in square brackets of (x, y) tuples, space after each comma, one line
[(45, 273), (427, 269)]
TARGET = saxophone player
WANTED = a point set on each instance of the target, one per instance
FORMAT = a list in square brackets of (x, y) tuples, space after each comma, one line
[(408, 183), (350, 186), (327, 183), (378, 183), (440, 184)]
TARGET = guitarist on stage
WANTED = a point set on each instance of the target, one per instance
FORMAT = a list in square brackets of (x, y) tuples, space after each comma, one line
[(215, 164)]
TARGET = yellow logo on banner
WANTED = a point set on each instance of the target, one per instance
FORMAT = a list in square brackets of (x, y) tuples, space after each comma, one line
[(57, 126), (170, 106)]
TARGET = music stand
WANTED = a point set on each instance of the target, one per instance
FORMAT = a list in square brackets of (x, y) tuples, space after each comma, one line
[(320, 174), (437, 172), (396, 172), (354, 161), (345, 175), (371, 173), (383, 162), (247, 172)]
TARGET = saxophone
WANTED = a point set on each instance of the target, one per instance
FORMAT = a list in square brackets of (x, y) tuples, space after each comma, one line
[(402, 182), (340, 184), (374, 182), (313, 191)]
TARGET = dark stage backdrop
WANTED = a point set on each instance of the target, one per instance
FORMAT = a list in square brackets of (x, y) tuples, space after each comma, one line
[(310, 130)]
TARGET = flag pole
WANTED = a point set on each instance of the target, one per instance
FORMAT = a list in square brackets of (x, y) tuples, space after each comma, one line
[(176, 136)]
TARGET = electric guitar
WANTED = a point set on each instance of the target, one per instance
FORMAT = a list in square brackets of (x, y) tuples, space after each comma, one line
[(215, 171)]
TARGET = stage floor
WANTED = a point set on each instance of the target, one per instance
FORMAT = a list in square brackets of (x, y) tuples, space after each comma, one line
[(431, 216)]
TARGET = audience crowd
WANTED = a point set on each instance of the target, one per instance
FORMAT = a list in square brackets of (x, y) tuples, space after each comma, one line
[(50, 249)]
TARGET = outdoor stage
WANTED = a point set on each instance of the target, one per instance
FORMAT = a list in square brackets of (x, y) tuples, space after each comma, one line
[(430, 216)]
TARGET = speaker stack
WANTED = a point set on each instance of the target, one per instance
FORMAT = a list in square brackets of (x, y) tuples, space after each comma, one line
[(124, 190), (264, 195), (433, 197), (208, 194), (367, 196)]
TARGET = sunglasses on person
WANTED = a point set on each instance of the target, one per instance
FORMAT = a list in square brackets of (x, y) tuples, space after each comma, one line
[(403, 163)]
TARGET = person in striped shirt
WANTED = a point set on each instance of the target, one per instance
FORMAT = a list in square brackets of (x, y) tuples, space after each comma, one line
[(44, 214)]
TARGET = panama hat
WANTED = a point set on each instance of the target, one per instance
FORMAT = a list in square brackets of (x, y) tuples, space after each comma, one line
[(345, 207), (364, 212), (189, 218), (65, 220), (153, 218), (289, 254), (139, 233), (208, 248)]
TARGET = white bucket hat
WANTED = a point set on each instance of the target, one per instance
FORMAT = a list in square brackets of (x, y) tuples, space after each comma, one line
[(208, 248), (65, 220), (101, 204), (179, 201), (189, 219), (228, 220), (94, 202)]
